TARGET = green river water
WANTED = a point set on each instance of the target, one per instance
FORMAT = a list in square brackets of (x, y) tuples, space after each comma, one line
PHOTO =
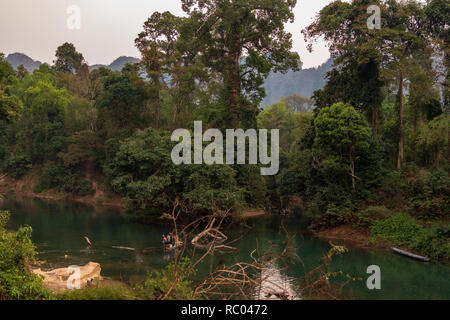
[(59, 229)]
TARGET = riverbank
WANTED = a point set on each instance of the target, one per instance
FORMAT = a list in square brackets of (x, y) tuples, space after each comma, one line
[(23, 187), (400, 231), (347, 234)]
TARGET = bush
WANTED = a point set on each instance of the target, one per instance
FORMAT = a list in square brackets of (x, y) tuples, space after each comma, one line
[(85, 188), (366, 218), (431, 195), (403, 230), (333, 216), (399, 229), (60, 178), (176, 278), (142, 170), (16, 252), (18, 165), (52, 176), (118, 292)]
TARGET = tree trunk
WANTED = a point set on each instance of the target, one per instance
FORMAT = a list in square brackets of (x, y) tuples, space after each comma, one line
[(352, 169), (156, 101), (400, 121), (436, 157), (232, 78), (375, 121)]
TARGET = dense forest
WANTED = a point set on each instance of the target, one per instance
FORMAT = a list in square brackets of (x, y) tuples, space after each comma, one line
[(369, 150)]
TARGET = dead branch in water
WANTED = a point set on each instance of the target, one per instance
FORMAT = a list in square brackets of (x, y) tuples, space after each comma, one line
[(211, 238), (124, 248), (261, 278)]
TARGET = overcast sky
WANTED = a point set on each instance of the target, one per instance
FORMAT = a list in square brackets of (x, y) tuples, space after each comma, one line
[(109, 27)]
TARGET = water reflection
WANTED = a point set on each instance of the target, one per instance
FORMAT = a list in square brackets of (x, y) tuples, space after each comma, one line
[(59, 228), (275, 285)]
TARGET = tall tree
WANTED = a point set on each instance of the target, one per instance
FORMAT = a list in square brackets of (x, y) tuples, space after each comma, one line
[(67, 58), (438, 18), (357, 84), (241, 41), (343, 134), (402, 41), (433, 136), (299, 103), (157, 46)]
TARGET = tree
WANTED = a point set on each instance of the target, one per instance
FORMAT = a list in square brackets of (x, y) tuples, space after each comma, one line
[(6, 70), (157, 46), (401, 43), (21, 72), (342, 133), (123, 103), (10, 107), (67, 58), (433, 136), (299, 103), (143, 171), (357, 84), (438, 17), (43, 118), (241, 42), (280, 116)]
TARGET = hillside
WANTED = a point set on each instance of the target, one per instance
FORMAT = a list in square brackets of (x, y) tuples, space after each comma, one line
[(16, 59), (117, 64), (303, 82)]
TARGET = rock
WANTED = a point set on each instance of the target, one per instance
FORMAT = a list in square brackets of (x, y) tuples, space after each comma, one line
[(57, 279)]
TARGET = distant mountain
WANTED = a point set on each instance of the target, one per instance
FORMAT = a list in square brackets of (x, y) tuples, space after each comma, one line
[(303, 83), (16, 59), (117, 64)]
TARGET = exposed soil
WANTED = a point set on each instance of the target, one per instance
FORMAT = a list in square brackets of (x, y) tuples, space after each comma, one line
[(346, 233), (251, 214), (24, 187)]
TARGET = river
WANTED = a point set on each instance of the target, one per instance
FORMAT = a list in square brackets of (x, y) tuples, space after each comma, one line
[(59, 229)]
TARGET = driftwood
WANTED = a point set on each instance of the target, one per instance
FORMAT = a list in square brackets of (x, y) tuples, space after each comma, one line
[(211, 239), (124, 248)]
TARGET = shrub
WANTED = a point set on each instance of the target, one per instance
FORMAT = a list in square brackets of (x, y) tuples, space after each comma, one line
[(434, 241), (52, 176), (399, 229), (16, 252), (366, 218), (18, 165), (333, 216), (403, 230), (60, 178), (431, 195), (176, 278), (85, 188), (118, 292)]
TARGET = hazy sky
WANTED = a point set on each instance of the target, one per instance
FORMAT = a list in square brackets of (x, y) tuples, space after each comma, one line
[(109, 27)]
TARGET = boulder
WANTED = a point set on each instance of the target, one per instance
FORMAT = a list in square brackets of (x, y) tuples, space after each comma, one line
[(57, 280)]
